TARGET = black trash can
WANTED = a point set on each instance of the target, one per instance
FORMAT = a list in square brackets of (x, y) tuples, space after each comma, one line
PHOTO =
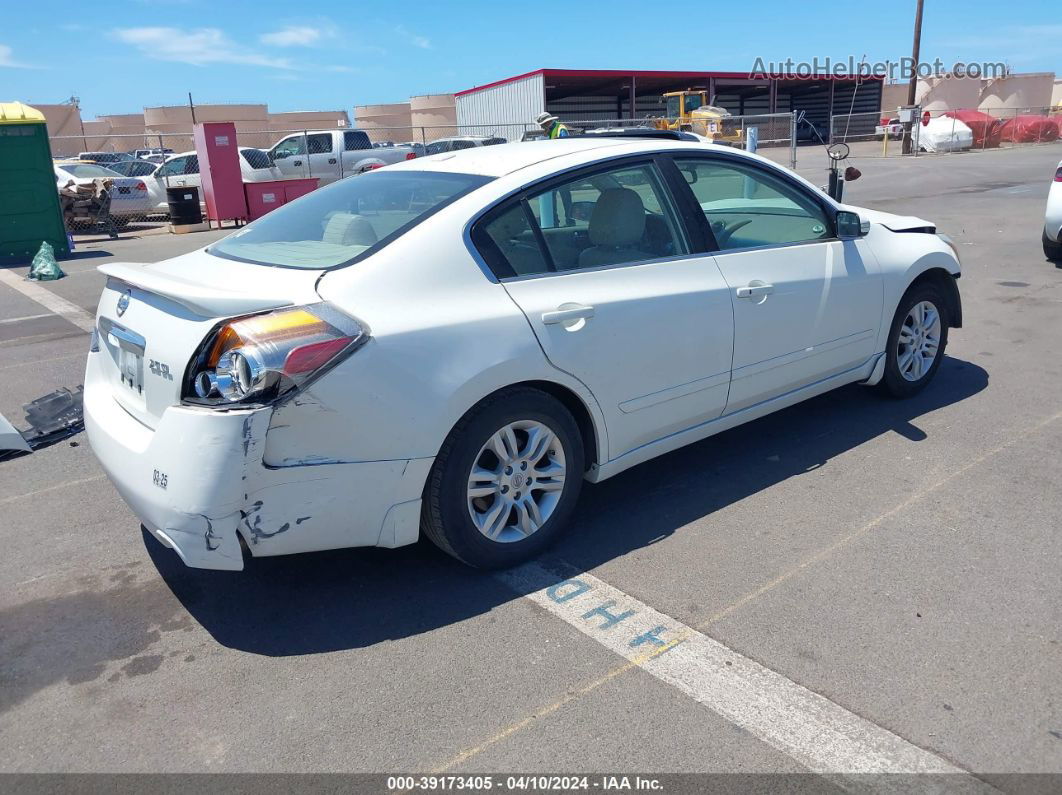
[(184, 206)]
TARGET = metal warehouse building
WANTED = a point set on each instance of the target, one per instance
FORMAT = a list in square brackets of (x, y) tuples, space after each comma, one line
[(600, 95)]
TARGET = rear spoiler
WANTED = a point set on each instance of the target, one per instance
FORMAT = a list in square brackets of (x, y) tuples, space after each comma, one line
[(200, 298)]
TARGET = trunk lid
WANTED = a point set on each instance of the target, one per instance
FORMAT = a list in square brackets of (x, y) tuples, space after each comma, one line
[(152, 319)]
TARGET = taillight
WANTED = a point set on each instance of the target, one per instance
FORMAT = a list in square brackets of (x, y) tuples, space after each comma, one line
[(141, 186), (1058, 174), (262, 358), (410, 155)]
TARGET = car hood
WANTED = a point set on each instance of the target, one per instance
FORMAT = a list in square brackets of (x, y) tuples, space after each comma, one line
[(895, 223)]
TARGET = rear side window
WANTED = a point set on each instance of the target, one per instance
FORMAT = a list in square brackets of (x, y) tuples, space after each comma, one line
[(353, 140), (615, 217), (319, 144), (192, 166), (256, 158)]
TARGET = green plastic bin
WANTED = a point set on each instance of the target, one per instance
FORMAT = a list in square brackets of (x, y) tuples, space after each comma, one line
[(30, 213)]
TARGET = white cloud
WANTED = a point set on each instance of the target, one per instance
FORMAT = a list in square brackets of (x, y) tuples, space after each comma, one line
[(294, 36), (7, 59), (413, 38), (197, 47)]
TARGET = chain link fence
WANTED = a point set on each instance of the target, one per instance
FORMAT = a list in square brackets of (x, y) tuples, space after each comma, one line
[(120, 185), (947, 131)]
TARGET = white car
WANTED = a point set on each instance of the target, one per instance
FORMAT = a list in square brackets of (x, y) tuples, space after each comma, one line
[(1053, 219), (440, 145), (454, 343), (182, 170), (129, 198)]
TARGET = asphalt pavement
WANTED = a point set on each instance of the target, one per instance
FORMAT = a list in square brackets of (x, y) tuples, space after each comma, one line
[(886, 572)]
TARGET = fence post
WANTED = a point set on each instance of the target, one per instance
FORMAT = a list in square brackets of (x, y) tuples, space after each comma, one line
[(792, 141)]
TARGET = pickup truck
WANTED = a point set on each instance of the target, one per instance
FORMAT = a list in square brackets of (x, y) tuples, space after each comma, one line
[(331, 155)]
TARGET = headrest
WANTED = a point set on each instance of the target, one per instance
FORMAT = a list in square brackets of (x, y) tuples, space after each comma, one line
[(349, 229), (618, 218)]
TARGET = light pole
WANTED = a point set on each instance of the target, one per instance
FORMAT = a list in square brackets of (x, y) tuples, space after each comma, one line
[(913, 85)]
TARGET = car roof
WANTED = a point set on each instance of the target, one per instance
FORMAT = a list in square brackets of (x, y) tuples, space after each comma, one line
[(502, 159)]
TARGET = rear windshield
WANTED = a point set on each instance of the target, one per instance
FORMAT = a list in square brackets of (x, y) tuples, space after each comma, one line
[(347, 220), (83, 170), (256, 158)]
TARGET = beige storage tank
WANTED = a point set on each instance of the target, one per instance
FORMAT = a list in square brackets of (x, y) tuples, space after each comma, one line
[(436, 113), (384, 122)]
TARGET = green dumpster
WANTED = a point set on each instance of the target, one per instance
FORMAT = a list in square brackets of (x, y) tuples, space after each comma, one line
[(29, 198)]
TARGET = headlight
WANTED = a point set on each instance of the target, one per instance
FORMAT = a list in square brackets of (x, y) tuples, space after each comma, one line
[(261, 358), (951, 244)]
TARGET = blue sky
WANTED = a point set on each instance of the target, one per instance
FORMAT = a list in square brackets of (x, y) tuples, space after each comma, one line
[(121, 55)]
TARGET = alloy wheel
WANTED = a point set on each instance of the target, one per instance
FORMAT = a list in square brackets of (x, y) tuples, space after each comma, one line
[(516, 481), (919, 341)]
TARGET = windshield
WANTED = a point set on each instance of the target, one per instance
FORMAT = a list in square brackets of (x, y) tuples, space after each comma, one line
[(347, 220)]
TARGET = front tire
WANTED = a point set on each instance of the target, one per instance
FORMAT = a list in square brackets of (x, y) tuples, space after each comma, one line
[(505, 481), (1052, 250), (917, 339)]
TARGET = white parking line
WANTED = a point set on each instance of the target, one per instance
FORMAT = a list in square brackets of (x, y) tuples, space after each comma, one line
[(9, 320), (822, 736), (49, 300)]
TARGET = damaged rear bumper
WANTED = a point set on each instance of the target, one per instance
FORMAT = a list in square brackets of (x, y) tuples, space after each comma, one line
[(198, 483)]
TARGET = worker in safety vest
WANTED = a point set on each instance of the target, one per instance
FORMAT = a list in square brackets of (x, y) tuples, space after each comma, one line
[(551, 126)]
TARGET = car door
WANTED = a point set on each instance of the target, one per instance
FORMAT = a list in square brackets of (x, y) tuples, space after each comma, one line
[(599, 264), (322, 158), (171, 173), (289, 155), (806, 305)]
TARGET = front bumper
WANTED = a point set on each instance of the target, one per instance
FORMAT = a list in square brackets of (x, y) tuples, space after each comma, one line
[(198, 483)]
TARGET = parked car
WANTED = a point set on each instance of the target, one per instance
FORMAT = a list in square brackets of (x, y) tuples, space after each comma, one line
[(441, 145), (455, 344), (154, 155), (1053, 219), (129, 196), (416, 146), (330, 155), (182, 170), (104, 158), (134, 168)]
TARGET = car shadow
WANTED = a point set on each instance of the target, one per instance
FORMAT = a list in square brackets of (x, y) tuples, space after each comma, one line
[(329, 601)]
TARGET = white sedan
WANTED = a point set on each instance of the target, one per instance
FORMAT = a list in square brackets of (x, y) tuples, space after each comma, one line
[(1053, 219), (454, 343), (129, 197)]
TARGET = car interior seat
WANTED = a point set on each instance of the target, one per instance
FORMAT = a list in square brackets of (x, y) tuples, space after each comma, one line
[(616, 229), (349, 229)]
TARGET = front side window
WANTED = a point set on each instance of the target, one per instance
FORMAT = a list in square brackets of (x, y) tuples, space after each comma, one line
[(172, 168), (191, 165), (296, 145), (346, 220), (613, 217), (748, 207)]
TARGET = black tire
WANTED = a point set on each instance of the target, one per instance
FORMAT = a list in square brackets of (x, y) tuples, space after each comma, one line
[(893, 382), (445, 516), (1052, 250)]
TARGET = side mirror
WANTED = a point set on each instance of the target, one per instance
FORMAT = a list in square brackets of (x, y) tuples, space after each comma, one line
[(274, 156), (850, 226)]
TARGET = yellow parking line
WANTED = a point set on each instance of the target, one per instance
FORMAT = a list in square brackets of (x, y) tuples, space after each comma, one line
[(635, 663), (53, 487)]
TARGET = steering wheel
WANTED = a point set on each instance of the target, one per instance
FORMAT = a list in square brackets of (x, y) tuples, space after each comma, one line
[(724, 231)]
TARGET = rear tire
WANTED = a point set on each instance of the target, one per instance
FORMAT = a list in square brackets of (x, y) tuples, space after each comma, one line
[(1052, 250), (917, 339), (497, 509)]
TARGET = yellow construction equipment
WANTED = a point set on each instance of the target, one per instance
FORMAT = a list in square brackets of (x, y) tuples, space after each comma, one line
[(690, 111)]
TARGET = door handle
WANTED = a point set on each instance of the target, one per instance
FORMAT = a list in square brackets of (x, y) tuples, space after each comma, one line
[(331, 161), (296, 162), (567, 313), (755, 290)]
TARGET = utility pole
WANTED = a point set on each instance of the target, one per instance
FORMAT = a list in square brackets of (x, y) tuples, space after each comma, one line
[(191, 105), (913, 85)]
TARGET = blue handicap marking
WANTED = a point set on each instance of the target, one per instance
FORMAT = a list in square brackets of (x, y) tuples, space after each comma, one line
[(611, 619), (578, 587)]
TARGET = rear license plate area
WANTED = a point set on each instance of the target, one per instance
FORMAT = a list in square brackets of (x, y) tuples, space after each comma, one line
[(131, 369)]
